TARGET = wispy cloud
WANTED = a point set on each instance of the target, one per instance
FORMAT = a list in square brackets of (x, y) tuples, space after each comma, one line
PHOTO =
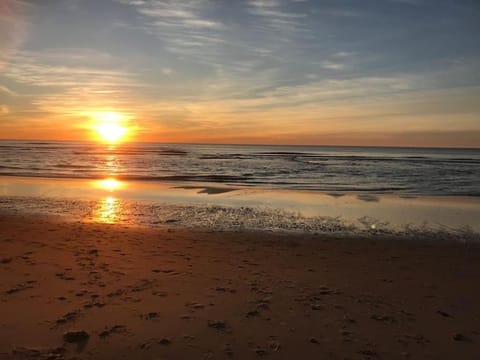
[(175, 14), (33, 69), (275, 16), (323, 91), (183, 26), (6, 90), (13, 28), (62, 83), (332, 65)]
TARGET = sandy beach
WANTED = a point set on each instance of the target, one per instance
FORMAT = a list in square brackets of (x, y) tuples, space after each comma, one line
[(75, 290), (258, 179)]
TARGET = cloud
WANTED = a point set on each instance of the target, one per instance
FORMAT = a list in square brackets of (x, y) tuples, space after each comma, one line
[(329, 91), (167, 71), (342, 54), (246, 67), (37, 69), (330, 65), (63, 83), (4, 110), (275, 16), (182, 26), (13, 28), (176, 15), (6, 90)]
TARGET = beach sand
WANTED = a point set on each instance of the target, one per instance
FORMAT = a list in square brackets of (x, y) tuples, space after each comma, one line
[(74, 290)]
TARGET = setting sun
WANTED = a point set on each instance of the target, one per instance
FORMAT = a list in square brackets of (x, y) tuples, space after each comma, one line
[(110, 127), (111, 132)]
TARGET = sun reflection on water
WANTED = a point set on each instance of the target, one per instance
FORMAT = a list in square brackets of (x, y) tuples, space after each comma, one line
[(111, 163), (109, 184)]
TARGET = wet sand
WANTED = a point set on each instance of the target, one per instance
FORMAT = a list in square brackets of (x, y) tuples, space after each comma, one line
[(222, 207), (74, 290)]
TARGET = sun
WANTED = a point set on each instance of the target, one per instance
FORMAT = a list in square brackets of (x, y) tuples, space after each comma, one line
[(110, 127), (111, 133)]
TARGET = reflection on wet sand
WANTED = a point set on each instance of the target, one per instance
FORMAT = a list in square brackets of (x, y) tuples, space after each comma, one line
[(149, 203), (107, 211)]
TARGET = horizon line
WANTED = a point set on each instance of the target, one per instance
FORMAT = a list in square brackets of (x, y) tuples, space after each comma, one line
[(250, 144)]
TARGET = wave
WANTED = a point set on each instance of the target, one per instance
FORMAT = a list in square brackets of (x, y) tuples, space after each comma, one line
[(71, 166), (325, 158), (403, 171)]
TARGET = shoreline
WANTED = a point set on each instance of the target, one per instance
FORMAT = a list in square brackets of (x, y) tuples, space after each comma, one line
[(217, 207), (182, 293)]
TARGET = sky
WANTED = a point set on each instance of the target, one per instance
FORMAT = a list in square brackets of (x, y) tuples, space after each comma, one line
[(327, 72)]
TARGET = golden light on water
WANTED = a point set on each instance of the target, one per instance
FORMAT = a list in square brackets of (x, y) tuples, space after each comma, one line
[(109, 184)]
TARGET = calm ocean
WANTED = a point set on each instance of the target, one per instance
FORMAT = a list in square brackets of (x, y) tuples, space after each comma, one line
[(326, 169)]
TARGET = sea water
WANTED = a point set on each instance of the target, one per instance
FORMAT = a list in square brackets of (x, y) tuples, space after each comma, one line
[(428, 193), (407, 171)]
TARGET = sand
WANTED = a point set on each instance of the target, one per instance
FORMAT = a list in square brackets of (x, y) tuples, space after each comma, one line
[(72, 290)]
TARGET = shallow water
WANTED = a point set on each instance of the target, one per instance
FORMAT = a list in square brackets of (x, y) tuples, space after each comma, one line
[(310, 189), (215, 207)]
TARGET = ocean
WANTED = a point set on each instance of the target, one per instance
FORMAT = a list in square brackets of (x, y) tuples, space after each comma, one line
[(338, 191), (403, 171)]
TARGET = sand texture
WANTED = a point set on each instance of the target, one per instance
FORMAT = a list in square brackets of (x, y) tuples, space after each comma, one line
[(72, 290)]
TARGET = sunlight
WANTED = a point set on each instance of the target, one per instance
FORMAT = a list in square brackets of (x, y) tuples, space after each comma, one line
[(110, 126)]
